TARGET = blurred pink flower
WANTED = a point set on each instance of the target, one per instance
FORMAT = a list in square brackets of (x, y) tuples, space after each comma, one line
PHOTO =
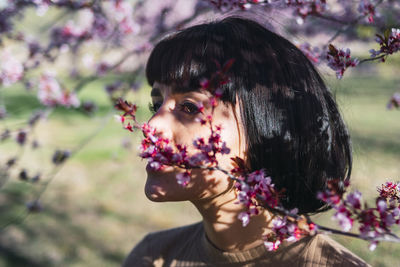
[(367, 7), (11, 69), (183, 178), (50, 93), (339, 60)]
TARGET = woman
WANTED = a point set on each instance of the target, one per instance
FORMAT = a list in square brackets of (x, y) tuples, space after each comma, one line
[(276, 113)]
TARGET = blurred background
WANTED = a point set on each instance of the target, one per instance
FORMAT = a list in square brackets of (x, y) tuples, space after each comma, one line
[(85, 206)]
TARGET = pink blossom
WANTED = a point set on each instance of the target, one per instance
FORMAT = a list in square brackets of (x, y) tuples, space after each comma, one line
[(225, 149), (387, 219), (73, 30), (354, 199), (50, 93), (372, 245), (342, 216), (339, 60), (100, 26), (178, 157), (11, 69), (69, 99), (154, 165), (197, 159), (129, 127), (49, 90), (183, 178), (366, 7), (389, 190), (119, 118), (272, 246), (122, 12), (389, 43), (381, 206), (245, 218), (256, 176), (42, 7), (278, 224), (396, 215), (204, 83), (328, 197)]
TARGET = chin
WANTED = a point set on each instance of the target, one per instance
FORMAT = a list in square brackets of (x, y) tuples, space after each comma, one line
[(162, 189), (154, 193)]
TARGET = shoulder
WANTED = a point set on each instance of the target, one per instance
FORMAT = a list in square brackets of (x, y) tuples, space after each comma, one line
[(321, 250), (158, 246)]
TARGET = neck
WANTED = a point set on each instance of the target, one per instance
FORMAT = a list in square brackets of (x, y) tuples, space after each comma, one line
[(225, 230)]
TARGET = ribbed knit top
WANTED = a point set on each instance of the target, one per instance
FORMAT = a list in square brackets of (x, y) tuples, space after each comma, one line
[(189, 246)]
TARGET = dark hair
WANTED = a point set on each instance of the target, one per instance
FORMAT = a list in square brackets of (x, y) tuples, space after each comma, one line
[(293, 128)]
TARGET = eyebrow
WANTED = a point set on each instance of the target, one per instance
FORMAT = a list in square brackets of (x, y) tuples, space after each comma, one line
[(155, 92)]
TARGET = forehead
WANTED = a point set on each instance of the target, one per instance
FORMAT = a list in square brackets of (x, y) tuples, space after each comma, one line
[(162, 90)]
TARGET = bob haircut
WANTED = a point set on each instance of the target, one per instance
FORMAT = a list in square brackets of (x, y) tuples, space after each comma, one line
[(293, 129)]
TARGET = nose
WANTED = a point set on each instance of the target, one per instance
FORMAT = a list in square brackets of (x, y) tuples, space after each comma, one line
[(162, 122)]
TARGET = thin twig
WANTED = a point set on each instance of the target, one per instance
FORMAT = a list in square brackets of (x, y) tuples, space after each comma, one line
[(329, 18), (372, 59)]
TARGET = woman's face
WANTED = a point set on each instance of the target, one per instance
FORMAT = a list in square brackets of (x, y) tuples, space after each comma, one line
[(177, 117)]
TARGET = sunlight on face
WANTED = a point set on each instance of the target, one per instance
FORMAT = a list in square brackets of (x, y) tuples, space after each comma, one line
[(176, 117)]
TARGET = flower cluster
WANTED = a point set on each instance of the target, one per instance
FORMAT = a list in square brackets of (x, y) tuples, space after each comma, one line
[(339, 60), (161, 152), (367, 8), (70, 34), (50, 93), (256, 192), (374, 222), (389, 43), (288, 229), (122, 12), (11, 69), (390, 191), (253, 189)]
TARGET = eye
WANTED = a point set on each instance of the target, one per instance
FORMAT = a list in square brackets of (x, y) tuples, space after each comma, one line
[(154, 107), (189, 108)]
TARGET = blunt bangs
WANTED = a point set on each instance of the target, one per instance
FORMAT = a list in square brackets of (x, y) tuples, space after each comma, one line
[(185, 58), (292, 125)]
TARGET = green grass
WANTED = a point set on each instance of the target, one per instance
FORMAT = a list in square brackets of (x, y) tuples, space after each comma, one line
[(95, 209)]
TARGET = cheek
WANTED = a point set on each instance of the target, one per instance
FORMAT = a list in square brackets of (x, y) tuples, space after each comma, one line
[(186, 134)]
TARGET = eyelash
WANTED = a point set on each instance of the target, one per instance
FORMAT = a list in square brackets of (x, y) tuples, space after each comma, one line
[(192, 109), (186, 107), (154, 107)]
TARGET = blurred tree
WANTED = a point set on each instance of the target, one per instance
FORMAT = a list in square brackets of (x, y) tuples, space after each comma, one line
[(78, 42)]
